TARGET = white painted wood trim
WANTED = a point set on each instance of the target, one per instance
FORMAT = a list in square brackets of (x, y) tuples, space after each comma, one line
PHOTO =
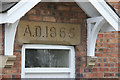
[(10, 31), (24, 6), (94, 26), (70, 70), (47, 70), (106, 12), (19, 10)]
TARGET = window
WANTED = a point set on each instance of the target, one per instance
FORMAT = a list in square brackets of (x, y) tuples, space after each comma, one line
[(47, 60)]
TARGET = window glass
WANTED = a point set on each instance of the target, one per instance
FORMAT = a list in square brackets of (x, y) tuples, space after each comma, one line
[(46, 58)]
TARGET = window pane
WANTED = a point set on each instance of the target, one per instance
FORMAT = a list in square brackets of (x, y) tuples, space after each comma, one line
[(46, 58)]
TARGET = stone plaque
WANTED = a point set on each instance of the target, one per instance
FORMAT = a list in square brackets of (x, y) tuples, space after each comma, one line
[(48, 33)]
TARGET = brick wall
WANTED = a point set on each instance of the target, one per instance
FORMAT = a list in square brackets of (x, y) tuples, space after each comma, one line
[(53, 12), (106, 47), (107, 53)]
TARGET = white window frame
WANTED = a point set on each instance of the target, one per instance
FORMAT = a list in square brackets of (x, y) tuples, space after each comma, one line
[(70, 70)]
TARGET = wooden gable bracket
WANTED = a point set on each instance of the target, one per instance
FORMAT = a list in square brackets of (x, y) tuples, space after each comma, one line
[(93, 28), (8, 58)]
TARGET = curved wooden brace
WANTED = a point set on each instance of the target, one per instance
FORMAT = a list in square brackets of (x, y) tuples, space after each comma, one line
[(94, 26), (10, 31)]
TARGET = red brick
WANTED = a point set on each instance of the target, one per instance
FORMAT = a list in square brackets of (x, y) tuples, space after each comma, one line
[(81, 70), (18, 71), (113, 69), (62, 20), (107, 50), (116, 55), (63, 8), (108, 74), (49, 19), (99, 55), (95, 70), (17, 76), (113, 40), (109, 35), (99, 45), (44, 12), (81, 15), (17, 64), (76, 9), (68, 14), (32, 11), (6, 76), (113, 59), (100, 35), (110, 45), (9, 71), (18, 58), (103, 69), (95, 75), (76, 21), (42, 5), (36, 18), (17, 53), (99, 65)]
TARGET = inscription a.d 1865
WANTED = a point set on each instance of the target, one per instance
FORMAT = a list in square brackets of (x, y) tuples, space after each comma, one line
[(48, 33)]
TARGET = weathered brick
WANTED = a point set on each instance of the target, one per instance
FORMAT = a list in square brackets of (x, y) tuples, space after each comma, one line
[(62, 20), (49, 19), (113, 69), (32, 11), (76, 21), (44, 12), (82, 15), (9, 71), (63, 8), (113, 40), (103, 69), (7, 76), (109, 35), (16, 76), (17, 64), (95, 75), (100, 35), (35, 17), (108, 74)]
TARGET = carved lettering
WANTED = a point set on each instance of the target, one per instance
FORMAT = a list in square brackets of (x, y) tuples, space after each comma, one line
[(27, 31), (48, 33), (53, 32), (72, 33), (62, 33), (37, 31)]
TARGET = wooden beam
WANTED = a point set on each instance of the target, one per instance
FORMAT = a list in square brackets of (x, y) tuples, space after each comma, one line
[(93, 28), (10, 31), (9, 1)]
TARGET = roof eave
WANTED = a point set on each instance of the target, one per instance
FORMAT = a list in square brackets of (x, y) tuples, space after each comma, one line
[(23, 6), (110, 16)]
